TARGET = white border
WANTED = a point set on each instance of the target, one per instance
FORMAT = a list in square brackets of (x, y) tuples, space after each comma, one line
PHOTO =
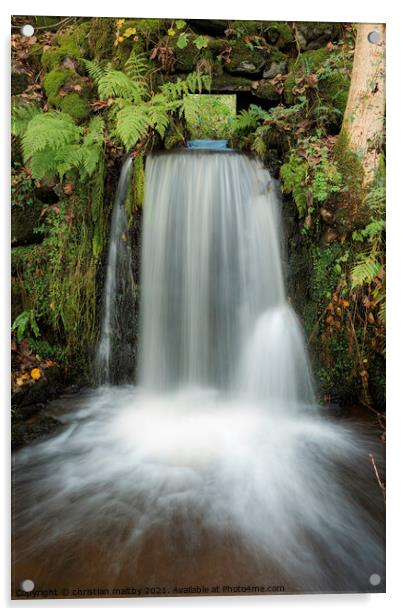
[(342, 10)]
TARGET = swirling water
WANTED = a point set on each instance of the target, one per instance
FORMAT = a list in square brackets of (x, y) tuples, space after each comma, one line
[(218, 467)]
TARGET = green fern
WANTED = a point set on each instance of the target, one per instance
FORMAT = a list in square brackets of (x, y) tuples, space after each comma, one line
[(95, 132), (248, 120), (259, 146), (131, 124), (51, 131), (21, 115), (365, 270), (137, 67), (94, 70), (53, 144)]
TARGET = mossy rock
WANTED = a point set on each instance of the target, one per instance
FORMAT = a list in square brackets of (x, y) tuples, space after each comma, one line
[(335, 89), (247, 27), (54, 56), (245, 61), (76, 34), (267, 91), (23, 222), (54, 80), (315, 34), (186, 58), (231, 83), (73, 103), (275, 65), (101, 37), (278, 33), (19, 82), (149, 28)]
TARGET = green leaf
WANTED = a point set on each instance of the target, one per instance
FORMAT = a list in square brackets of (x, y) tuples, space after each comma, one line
[(180, 24), (200, 42), (182, 41)]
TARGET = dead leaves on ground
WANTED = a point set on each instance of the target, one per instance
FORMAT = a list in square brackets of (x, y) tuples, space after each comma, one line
[(29, 367)]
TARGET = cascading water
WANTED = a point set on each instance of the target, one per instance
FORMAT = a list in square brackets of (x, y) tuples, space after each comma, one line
[(113, 356), (213, 300), (219, 467)]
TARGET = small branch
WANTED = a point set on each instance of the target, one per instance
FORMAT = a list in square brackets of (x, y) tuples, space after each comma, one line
[(380, 483), (59, 23)]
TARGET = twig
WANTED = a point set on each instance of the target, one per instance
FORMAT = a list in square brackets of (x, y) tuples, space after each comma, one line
[(380, 483), (59, 23)]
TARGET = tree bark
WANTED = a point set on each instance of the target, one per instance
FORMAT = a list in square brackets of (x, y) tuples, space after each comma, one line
[(363, 120)]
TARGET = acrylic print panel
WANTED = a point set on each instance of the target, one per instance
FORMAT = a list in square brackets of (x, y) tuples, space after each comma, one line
[(198, 296)]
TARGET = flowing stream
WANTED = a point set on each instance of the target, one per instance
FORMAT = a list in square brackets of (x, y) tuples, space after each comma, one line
[(218, 466)]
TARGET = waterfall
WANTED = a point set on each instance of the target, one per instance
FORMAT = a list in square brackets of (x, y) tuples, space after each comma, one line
[(113, 361), (218, 465), (214, 308)]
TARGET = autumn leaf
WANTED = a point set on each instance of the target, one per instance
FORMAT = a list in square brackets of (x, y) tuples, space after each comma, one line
[(68, 188), (36, 374)]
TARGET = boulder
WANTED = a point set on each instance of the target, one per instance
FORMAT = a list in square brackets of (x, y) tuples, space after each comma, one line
[(245, 60)]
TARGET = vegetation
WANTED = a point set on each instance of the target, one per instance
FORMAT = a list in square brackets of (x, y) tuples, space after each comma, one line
[(100, 87)]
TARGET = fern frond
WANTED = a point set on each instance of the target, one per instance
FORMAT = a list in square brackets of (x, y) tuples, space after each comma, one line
[(118, 84), (137, 67), (95, 132), (382, 312), (131, 124), (50, 131), (90, 157), (43, 164), (259, 146), (247, 120), (21, 115), (364, 271), (94, 70)]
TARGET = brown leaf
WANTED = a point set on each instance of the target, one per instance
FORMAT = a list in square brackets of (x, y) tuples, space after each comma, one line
[(68, 188)]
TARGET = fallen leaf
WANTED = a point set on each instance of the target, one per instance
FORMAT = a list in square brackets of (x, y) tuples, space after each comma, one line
[(36, 374)]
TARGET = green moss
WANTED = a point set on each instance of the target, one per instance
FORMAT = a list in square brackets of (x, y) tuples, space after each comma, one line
[(350, 209), (335, 89), (348, 163), (187, 58), (75, 105), (230, 83), (53, 81), (248, 27), (244, 60), (150, 28), (267, 91), (307, 62), (101, 37), (278, 33), (75, 35), (55, 55)]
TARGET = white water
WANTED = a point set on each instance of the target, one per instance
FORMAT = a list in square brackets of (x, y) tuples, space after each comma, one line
[(223, 435), (119, 290)]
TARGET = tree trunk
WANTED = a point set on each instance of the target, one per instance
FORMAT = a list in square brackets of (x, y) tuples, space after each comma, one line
[(363, 121)]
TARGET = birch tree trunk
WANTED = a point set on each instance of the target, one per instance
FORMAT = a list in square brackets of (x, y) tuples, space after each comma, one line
[(363, 120)]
